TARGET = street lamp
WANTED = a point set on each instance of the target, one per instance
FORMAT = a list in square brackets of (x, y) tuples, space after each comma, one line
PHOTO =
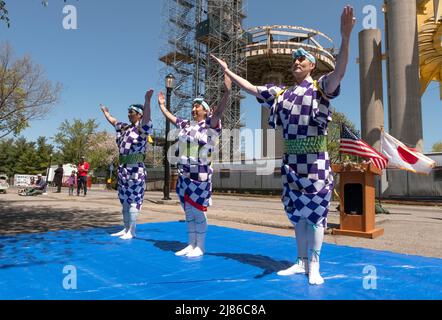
[(170, 82)]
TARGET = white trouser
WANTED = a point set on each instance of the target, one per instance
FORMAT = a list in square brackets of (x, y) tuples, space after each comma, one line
[(309, 238), (196, 221)]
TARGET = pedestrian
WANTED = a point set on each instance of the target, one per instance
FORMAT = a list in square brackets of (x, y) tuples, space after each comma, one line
[(82, 171), (71, 181), (58, 178)]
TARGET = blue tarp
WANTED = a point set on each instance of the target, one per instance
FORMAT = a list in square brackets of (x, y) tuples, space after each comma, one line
[(237, 265)]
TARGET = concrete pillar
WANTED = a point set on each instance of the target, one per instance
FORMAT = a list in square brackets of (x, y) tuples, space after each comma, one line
[(277, 78), (370, 79), (404, 100)]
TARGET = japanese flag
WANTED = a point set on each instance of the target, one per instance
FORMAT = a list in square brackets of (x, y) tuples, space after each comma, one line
[(402, 157)]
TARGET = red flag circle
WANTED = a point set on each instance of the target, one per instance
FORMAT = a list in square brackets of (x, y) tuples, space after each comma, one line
[(407, 156)]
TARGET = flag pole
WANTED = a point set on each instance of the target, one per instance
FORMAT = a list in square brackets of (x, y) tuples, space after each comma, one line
[(340, 137), (380, 179), (380, 209)]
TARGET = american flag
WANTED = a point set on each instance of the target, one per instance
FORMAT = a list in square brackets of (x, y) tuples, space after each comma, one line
[(352, 144)]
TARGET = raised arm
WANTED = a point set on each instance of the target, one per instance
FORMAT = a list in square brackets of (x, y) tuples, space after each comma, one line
[(222, 104), (347, 23), (106, 113), (241, 82), (146, 111), (162, 104)]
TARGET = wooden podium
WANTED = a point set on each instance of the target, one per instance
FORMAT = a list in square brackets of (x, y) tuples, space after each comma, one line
[(357, 200)]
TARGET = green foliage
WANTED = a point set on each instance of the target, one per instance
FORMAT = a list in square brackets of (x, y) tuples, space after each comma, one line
[(437, 147), (20, 156), (73, 139)]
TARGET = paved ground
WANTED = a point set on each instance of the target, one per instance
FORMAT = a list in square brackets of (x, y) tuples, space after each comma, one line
[(408, 229)]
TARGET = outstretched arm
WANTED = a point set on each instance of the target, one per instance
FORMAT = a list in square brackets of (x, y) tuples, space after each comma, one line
[(146, 111), (241, 82), (222, 104), (106, 113), (347, 23), (162, 104)]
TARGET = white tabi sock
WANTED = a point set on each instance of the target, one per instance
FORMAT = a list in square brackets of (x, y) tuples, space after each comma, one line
[(315, 235), (201, 230), (301, 264), (191, 233), (133, 214), (126, 221)]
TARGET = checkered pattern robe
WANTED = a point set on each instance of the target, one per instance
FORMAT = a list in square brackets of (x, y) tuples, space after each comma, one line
[(132, 177), (303, 111), (194, 169)]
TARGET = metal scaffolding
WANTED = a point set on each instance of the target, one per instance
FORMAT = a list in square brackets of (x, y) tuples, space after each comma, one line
[(195, 29), (177, 52)]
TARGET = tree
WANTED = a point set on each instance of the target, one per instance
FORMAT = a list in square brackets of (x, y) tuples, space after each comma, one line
[(4, 12), (25, 94), (73, 140), (437, 147), (44, 152), (20, 156), (102, 150), (6, 156)]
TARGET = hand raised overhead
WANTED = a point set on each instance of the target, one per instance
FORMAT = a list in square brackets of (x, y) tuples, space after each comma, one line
[(148, 95), (347, 22), (161, 100), (222, 63), (103, 108)]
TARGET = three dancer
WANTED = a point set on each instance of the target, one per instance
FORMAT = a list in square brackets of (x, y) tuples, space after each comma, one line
[(302, 110)]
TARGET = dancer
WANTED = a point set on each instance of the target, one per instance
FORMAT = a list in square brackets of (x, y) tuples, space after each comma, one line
[(303, 111), (197, 140), (132, 142)]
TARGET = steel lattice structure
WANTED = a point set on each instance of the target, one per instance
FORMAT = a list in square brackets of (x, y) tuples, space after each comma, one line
[(194, 30)]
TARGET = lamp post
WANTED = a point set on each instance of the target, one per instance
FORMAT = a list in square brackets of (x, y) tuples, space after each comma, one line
[(170, 79)]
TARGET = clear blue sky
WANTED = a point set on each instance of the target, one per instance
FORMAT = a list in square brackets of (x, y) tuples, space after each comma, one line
[(113, 56)]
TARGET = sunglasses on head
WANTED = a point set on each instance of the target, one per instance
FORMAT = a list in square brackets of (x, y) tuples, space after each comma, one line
[(300, 58)]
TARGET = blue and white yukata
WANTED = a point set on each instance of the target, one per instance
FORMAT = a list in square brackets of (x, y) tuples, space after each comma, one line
[(303, 111), (197, 142), (132, 139)]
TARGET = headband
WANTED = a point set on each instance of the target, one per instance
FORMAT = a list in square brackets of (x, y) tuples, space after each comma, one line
[(301, 52), (136, 107), (201, 102)]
